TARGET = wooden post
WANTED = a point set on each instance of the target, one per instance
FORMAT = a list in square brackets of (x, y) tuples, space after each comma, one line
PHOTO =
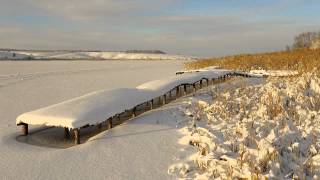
[(151, 104), (99, 126), (164, 99), (25, 130), (76, 136), (66, 133), (194, 87), (177, 91), (134, 112), (184, 89), (109, 122), (201, 84), (170, 94)]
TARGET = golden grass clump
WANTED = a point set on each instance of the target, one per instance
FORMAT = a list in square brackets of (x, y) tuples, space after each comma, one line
[(302, 60)]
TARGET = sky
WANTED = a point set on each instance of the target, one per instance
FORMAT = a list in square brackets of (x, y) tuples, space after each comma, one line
[(200, 28)]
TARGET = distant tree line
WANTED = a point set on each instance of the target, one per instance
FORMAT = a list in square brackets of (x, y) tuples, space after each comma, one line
[(306, 40)]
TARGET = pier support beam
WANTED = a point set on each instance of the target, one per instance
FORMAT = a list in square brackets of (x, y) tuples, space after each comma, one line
[(164, 99), (151, 104), (109, 123), (134, 112), (24, 128), (100, 126), (66, 133), (184, 89), (177, 91), (76, 136)]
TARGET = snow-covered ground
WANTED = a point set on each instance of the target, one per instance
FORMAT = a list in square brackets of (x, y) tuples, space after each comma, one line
[(141, 149), (63, 55), (191, 137)]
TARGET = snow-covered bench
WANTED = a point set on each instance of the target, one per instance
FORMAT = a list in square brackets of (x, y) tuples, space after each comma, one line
[(98, 107)]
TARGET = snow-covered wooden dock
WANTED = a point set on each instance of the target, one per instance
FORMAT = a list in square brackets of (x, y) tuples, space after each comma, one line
[(101, 107)]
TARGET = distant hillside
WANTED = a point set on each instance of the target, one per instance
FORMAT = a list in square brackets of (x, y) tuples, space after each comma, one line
[(89, 55)]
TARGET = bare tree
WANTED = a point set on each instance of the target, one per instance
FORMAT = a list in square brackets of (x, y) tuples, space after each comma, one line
[(304, 40)]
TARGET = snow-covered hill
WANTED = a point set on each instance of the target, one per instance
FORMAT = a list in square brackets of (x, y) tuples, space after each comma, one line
[(99, 55)]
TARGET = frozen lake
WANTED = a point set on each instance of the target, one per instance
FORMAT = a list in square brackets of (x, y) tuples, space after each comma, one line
[(29, 85)]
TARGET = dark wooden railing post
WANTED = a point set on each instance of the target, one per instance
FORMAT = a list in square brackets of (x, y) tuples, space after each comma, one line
[(76, 136), (177, 91), (66, 133), (151, 104), (109, 121), (164, 99), (100, 126), (134, 112), (25, 129)]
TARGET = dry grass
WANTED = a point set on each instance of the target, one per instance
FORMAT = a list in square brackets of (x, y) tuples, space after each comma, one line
[(303, 60)]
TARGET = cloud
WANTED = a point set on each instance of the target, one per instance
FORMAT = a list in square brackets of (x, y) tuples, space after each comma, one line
[(97, 9), (140, 24)]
